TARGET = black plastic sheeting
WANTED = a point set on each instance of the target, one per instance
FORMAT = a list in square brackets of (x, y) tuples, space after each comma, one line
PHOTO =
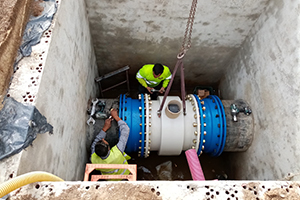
[(19, 126), (35, 28)]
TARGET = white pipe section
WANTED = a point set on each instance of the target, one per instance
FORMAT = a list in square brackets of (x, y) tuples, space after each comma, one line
[(179, 132), (173, 129)]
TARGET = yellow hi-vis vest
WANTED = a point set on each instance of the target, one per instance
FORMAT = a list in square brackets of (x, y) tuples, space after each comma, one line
[(146, 78), (115, 157)]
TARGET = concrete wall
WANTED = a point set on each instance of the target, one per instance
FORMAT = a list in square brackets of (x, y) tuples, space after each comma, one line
[(60, 79), (137, 32), (266, 74)]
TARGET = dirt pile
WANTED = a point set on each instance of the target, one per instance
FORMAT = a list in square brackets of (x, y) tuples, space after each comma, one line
[(13, 18)]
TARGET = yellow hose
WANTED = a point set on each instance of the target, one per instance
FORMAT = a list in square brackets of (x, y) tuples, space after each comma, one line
[(19, 181)]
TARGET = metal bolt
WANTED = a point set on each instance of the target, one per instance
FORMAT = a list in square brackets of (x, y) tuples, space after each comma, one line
[(203, 108), (195, 124), (140, 133), (149, 133), (193, 103), (190, 99), (204, 115), (150, 116), (140, 96), (149, 124), (202, 102), (196, 133), (195, 116), (205, 133), (140, 115), (193, 147), (194, 108), (148, 152), (140, 124), (150, 102), (140, 147), (149, 141), (204, 124), (195, 141), (203, 141), (140, 108), (150, 108), (202, 147), (149, 98), (140, 140)]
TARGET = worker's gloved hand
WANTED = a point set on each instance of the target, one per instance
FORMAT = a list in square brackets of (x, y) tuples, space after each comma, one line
[(107, 124), (115, 115), (149, 89), (162, 90)]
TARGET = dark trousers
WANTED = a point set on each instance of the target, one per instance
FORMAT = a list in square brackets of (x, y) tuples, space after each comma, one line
[(143, 90)]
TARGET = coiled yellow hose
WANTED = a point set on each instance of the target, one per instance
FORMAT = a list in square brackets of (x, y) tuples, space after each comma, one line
[(19, 181)]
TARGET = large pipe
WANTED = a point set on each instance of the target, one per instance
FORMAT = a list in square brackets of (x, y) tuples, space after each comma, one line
[(203, 128)]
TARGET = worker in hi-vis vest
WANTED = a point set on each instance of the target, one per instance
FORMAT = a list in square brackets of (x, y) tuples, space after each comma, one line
[(153, 78), (101, 153)]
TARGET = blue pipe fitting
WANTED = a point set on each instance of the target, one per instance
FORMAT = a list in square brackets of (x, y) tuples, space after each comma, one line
[(212, 124), (132, 111)]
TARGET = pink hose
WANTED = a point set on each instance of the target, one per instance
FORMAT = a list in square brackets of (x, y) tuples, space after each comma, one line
[(194, 165)]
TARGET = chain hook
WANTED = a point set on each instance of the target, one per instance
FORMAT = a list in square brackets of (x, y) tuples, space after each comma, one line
[(182, 54)]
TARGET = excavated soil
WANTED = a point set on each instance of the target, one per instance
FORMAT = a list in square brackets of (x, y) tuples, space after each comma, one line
[(14, 16)]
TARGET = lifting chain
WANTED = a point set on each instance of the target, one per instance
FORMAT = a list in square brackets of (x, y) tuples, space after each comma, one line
[(186, 44)]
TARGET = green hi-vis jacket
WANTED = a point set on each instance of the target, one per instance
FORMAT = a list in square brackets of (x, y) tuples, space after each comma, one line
[(146, 78), (115, 157)]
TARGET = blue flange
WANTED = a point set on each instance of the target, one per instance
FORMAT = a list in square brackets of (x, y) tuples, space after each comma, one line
[(130, 112), (213, 125), (143, 126), (223, 126)]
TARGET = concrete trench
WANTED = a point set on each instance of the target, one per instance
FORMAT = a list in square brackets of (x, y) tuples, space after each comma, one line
[(253, 56)]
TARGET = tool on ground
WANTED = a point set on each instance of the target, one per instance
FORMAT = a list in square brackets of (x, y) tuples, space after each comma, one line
[(91, 119), (99, 113)]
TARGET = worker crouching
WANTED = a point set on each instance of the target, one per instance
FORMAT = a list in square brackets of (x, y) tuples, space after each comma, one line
[(153, 79), (101, 153)]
